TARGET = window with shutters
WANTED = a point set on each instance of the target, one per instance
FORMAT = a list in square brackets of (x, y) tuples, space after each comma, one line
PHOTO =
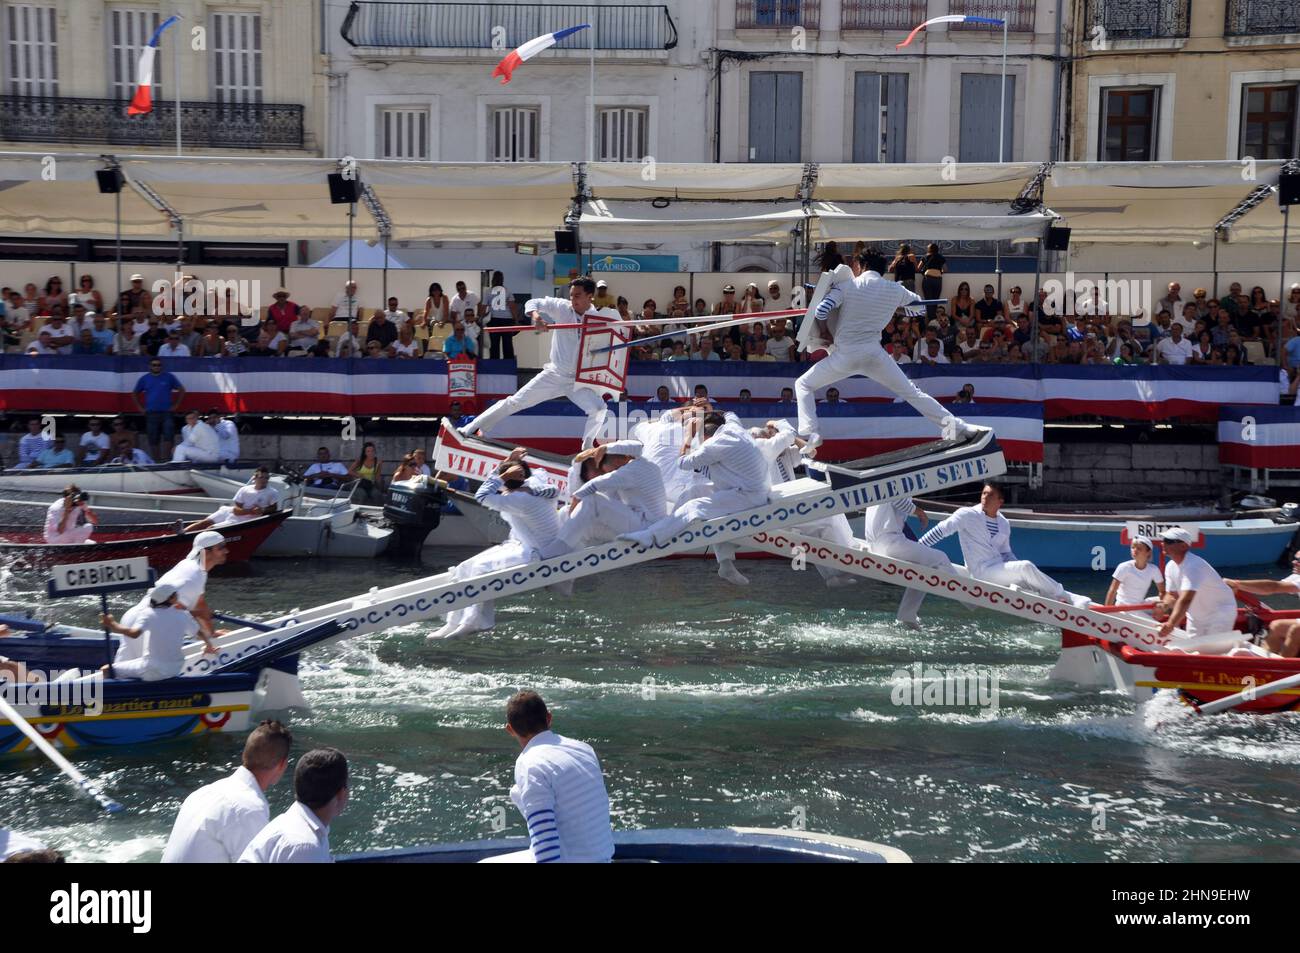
[(31, 47), (403, 133), (880, 117), (622, 134), (775, 117), (1128, 125), (235, 44), (129, 31), (980, 112), (512, 133), (1268, 123)]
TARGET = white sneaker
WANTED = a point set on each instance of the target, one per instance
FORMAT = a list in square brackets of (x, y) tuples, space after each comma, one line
[(443, 633), (810, 443), (727, 570), (643, 538)]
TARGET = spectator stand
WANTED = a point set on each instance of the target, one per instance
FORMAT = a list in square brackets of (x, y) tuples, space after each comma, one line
[(1260, 446)]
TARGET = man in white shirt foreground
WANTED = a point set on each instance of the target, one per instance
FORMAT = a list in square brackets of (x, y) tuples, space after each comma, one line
[(325, 473), (557, 377), (1283, 634), (985, 536), (250, 501), (559, 789), (884, 527), (219, 820), (301, 835), (199, 442), (1202, 599)]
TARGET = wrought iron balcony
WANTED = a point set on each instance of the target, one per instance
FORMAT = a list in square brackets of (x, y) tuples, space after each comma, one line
[(1261, 17), (479, 26), (1138, 19), (761, 14), (1019, 14), (875, 15), (205, 125)]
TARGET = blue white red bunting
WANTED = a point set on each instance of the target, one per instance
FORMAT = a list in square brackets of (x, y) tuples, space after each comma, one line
[(1260, 437)]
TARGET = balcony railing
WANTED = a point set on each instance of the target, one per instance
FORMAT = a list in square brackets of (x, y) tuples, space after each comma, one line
[(203, 124), (875, 15), (480, 26), (1138, 19), (761, 14), (1261, 17), (1019, 14)]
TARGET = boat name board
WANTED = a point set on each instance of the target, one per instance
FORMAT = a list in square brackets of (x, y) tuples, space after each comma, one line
[(480, 465), (117, 575), (1152, 529)]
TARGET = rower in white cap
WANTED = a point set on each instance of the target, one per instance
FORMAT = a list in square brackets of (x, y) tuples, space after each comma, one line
[(1201, 598), (163, 628), (1133, 578)]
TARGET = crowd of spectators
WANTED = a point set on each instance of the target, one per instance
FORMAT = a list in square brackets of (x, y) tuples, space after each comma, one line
[(1237, 328)]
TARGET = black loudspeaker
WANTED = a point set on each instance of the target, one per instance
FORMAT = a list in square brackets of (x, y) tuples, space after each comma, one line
[(566, 242), (1288, 188), (344, 191), (110, 180), (1058, 239)]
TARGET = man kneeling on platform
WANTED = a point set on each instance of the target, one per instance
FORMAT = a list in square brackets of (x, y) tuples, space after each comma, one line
[(985, 536), (164, 625), (627, 495), (534, 534), (738, 473)]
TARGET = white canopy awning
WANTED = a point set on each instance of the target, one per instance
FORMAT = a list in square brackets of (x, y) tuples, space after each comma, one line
[(882, 221), (638, 222)]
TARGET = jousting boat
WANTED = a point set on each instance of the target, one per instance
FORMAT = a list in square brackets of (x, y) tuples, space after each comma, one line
[(736, 845)]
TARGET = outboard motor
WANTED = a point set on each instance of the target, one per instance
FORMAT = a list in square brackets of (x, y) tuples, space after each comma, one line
[(414, 508)]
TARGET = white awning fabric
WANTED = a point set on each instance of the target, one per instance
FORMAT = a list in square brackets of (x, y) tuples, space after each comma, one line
[(638, 222), (882, 221)]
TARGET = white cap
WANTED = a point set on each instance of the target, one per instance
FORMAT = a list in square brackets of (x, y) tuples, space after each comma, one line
[(160, 593), (205, 540), (1145, 541), (625, 448), (137, 277), (1176, 534), (602, 283)]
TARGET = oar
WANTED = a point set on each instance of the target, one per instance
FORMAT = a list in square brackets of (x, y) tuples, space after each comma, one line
[(700, 319), (87, 786), (1250, 694), (747, 319)]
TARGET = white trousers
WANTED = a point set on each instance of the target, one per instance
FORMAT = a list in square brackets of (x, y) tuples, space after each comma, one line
[(872, 361), (598, 519), (898, 546), (718, 503), (547, 385), (1217, 624), (73, 534), (834, 529), (146, 669), (188, 453), (1025, 575), (502, 556)]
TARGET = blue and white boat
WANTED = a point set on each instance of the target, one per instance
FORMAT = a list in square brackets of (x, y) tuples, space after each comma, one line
[(1093, 539)]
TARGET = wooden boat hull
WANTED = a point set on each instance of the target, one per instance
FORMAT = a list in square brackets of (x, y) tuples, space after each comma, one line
[(156, 478), (163, 549)]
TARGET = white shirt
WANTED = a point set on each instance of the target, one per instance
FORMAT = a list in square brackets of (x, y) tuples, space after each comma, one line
[(980, 548), (249, 496), (166, 629), (297, 836), (638, 484), (1134, 583), (299, 335), (126, 345), (1293, 581), (564, 344), (534, 520), (332, 466), (560, 791), (227, 439), (11, 842), (179, 350), (352, 341), (1213, 597), (1174, 352), (99, 442), (459, 304), (190, 579), (52, 516), (731, 460), (218, 821), (406, 350), (887, 519), (867, 303), (779, 450), (345, 306), (398, 317), (779, 349), (662, 439), (201, 437)]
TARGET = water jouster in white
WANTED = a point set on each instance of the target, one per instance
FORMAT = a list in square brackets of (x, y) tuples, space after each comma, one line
[(558, 378), (866, 302), (884, 528), (625, 495), (985, 536)]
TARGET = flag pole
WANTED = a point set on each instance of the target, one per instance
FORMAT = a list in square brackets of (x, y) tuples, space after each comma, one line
[(176, 62), (591, 111), (1002, 111)]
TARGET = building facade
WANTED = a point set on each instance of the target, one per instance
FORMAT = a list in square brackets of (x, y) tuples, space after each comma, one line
[(249, 73)]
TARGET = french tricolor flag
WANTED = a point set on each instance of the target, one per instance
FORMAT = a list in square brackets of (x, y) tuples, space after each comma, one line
[(530, 49), (142, 101), (953, 18)]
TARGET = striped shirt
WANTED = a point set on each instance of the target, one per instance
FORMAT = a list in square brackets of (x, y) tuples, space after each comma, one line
[(779, 450), (888, 519), (560, 791), (731, 460), (980, 548), (564, 344), (638, 484), (867, 304), (533, 520)]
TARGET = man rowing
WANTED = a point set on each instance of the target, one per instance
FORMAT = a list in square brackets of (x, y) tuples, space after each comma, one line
[(738, 474), (885, 530), (985, 536), (534, 534), (867, 303), (1201, 598), (557, 377), (1283, 634)]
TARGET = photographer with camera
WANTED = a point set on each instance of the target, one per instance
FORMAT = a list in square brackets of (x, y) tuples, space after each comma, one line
[(70, 518)]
